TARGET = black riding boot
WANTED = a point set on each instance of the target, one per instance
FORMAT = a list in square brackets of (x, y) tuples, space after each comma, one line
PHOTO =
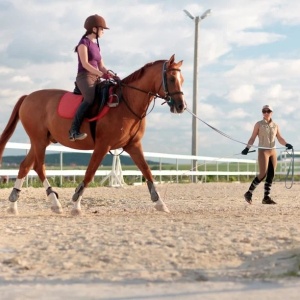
[(74, 133)]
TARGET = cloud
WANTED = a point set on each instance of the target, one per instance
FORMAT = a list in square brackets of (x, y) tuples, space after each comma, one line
[(286, 12), (254, 38), (241, 94), (25, 79), (247, 56), (5, 71), (277, 92), (238, 113)]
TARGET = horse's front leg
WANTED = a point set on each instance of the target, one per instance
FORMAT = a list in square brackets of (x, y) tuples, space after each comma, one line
[(76, 210), (155, 197), (53, 197), (136, 153), (94, 163)]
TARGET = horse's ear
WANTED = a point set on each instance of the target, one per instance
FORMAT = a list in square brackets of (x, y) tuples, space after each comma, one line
[(179, 64), (172, 59)]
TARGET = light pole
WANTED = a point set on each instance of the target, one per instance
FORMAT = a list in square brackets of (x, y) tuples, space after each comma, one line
[(197, 19)]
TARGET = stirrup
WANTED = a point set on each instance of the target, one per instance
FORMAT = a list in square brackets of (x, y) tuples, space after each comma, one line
[(115, 101)]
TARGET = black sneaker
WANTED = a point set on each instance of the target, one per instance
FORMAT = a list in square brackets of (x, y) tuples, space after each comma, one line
[(248, 197), (74, 136), (268, 200)]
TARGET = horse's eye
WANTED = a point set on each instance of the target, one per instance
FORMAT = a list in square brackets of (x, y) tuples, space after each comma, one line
[(172, 79)]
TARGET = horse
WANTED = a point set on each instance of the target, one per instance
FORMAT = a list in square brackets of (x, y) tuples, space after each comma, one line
[(122, 127)]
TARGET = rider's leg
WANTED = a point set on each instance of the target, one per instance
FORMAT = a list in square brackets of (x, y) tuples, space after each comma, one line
[(74, 132), (86, 83)]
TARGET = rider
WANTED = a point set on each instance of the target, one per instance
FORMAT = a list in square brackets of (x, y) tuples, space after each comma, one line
[(266, 130), (90, 68)]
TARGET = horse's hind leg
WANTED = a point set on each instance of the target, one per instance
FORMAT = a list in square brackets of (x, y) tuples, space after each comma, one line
[(39, 168), (38, 165), (25, 167)]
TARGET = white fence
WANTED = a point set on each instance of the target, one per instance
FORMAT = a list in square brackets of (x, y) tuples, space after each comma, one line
[(175, 175)]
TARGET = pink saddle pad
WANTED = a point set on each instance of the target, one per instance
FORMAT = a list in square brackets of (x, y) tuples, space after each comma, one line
[(68, 105)]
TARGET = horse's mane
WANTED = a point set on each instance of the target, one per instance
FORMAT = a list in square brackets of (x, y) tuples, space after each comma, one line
[(140, 72)]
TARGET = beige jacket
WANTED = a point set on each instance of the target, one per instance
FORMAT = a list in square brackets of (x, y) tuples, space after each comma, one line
[(266, 134)]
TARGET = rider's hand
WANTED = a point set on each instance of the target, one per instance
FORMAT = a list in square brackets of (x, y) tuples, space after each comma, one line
[(289, 146), (116, 78), (245, 151), (106, 76)]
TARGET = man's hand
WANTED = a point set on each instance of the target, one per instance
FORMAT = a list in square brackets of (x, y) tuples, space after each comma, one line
[(245, 151)]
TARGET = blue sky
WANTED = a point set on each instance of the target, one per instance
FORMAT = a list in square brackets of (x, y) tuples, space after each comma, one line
[(248, 57)]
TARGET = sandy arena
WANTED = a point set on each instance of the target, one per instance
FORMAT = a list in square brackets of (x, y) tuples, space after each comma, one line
[(212, 245)]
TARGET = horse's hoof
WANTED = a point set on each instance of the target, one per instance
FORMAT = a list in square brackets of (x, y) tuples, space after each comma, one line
[(57, 209), (162, 207), (12, 211), (14, 195), (76, 212)]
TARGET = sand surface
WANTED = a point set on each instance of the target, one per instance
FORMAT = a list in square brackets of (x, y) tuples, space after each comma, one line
[(212, 245)]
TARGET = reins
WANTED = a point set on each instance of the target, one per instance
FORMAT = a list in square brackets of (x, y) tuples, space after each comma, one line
[(150, 94), (139, 117)]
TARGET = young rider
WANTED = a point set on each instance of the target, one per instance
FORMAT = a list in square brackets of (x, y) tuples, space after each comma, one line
[(90, 68)]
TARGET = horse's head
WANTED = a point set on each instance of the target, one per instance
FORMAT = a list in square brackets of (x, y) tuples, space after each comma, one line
[(172, 85), (167, 84)]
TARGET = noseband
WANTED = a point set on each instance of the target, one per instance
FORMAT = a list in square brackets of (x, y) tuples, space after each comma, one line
[(168, 95)]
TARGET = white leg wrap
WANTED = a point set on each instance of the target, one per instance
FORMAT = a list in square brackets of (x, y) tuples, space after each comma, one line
[(19, 183), (76, 211), (55, 204), (46, 184), (77, 204)]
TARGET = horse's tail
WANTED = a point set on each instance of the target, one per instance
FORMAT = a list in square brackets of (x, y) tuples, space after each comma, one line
[(11, 125)]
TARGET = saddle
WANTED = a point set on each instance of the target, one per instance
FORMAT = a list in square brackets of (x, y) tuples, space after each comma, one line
[(107, 95)]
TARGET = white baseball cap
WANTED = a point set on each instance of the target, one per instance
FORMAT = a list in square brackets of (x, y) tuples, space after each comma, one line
[(267, 107)]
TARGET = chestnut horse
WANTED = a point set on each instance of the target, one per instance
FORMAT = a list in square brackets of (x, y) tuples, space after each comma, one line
[(122, 127)]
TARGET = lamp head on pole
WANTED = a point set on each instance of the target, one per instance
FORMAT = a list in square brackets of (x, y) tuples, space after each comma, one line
[(189, 14), (205, 14)]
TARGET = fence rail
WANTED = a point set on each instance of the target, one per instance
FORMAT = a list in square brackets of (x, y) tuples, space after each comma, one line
[(162, 157)]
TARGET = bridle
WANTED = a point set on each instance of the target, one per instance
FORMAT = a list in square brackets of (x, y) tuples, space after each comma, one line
[(168, 95)]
